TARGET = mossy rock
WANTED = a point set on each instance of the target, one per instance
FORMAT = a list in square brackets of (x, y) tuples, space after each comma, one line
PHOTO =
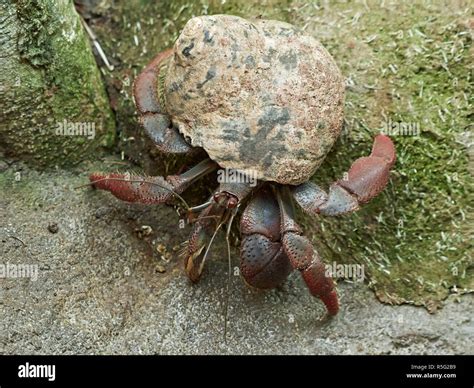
[(50, 82)]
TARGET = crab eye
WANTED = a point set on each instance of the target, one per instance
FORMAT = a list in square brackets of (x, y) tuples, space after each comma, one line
[(227, 200), (232, 202)]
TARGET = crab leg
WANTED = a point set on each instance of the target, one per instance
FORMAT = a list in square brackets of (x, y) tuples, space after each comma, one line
[(263, 261), (221, 205), (167, 139), (366, 178), (207, 224), (149, 190), (152, 116), (303, 256)]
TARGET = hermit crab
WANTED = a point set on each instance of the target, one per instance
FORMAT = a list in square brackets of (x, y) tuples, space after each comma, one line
[(263, 100)]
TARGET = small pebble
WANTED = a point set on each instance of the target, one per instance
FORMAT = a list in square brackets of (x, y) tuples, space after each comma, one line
[(161, 248), (53, 228), (143, 231)]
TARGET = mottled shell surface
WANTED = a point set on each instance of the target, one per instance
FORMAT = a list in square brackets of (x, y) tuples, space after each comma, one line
[(259, 96)]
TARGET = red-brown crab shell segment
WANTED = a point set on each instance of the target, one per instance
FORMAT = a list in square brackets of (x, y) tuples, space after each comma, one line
[(145, 87)]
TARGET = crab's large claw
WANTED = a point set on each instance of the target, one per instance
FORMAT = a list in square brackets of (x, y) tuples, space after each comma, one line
[(149, 190), (263, 262), (366, 178), (152, 113)]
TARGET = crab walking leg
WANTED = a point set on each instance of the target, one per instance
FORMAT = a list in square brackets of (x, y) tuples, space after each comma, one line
[(263, 262), (149, 190), (145, 86), (207, 224), (153, 117), (224, 200), (303, 256), (366, 178)]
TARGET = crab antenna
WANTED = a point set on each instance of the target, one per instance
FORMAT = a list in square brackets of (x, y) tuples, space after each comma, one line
[(200, 207), (229, 271), (204, 218), (201, 266)]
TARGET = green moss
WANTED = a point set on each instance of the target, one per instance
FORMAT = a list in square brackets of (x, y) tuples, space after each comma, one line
[(408, 63), (49, 75), (37, 26)]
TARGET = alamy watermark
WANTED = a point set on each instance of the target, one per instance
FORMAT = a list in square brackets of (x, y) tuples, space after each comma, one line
[(228, 175), (37, 371), (401, 128), (354, 272), (80, 128), (17, 271), (355, 130)]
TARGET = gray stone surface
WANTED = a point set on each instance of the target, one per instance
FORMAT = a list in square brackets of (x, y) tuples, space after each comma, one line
[(100, 288)]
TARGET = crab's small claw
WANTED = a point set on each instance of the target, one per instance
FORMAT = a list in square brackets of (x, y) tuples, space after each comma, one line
[(220, 209), (366, 178), (369, 175), (195, 253)]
